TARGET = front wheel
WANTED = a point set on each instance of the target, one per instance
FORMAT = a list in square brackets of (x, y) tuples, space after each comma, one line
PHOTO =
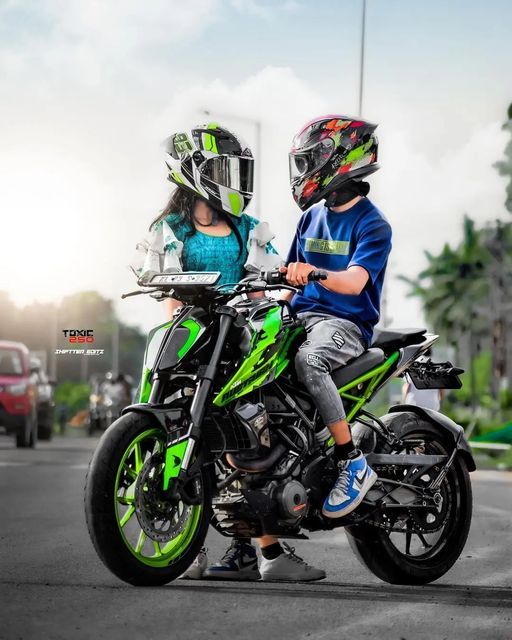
[(411, 546), (139, 534)]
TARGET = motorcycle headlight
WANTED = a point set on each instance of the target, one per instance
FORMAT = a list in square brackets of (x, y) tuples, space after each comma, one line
[(18, 389)]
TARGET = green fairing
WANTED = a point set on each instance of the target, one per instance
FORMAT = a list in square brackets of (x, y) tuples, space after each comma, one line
[(194, 328), (173, 459), (256, 368), (145, 386), (145, 383)]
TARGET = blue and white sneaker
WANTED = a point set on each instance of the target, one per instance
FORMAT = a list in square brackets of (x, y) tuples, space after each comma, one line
[(356, 478), (240, 562)]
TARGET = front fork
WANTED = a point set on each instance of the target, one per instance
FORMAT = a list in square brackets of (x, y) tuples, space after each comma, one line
[(180, 452)]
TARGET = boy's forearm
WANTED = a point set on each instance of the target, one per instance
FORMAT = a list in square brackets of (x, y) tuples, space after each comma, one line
[(350, 282)]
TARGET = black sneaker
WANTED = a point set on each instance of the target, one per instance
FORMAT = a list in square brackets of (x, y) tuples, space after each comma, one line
[(240, 562)]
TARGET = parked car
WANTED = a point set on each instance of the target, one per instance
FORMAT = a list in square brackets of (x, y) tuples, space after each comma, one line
[(45, 400), (18, 393)]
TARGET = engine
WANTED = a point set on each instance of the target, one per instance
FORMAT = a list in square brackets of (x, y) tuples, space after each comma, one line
[(292, 500)]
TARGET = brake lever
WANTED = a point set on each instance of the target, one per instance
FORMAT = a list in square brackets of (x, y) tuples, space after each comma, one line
[(133, 293)]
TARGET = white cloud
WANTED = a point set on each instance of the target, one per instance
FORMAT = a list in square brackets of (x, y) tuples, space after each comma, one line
[(266, 10), (82, 117), (425, 199), (89, 43)]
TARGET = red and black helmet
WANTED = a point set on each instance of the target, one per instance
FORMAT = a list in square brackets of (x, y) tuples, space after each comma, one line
[(328, 152)]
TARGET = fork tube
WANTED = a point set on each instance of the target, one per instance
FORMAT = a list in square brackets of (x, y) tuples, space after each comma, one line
[(198, 407)]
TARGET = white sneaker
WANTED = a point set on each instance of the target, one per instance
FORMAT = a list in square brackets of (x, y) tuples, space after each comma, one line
[(197, 568), (289, 567)]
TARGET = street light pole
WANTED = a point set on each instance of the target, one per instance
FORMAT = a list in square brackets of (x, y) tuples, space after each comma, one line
[(361, 66)]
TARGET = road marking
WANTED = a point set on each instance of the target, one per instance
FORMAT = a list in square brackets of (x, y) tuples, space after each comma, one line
[(8, 463), (42, 463)]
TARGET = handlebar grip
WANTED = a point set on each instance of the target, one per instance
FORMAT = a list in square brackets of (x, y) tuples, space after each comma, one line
[(317, 275), (274, 277)]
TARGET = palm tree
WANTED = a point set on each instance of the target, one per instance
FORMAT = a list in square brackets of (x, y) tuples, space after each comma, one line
[(452, 289)]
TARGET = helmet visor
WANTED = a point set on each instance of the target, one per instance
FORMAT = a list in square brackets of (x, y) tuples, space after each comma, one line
[(233, 172), (307, 161)]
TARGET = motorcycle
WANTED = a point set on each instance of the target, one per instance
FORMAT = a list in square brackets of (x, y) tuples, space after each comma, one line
[(224, 434)]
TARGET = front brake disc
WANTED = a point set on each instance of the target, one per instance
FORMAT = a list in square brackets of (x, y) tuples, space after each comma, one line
[(161, 519)]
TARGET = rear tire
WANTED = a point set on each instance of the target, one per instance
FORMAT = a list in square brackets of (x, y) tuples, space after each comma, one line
[(374, 547), (111, 463)]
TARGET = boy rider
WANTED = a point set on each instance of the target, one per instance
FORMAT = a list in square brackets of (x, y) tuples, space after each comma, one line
[(348, 237)]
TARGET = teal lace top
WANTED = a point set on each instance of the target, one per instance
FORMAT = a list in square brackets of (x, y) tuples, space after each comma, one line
[(202, 252)]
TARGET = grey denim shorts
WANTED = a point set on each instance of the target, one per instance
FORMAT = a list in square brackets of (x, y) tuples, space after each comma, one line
[(330, 343)]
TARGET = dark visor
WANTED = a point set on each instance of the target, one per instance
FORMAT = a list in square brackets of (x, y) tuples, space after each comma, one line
[(307, 161)]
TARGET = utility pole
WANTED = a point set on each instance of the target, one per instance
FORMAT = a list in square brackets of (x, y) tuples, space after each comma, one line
[(361, 65)]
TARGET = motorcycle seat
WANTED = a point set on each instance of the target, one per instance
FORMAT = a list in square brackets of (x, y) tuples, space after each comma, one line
[(392, 339), (358, 366)]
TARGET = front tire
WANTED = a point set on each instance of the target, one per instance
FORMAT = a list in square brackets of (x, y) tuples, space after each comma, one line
[(113, 496), (380, 553)]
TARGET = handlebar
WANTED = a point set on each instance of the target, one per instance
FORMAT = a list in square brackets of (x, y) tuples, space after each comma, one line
[(276, 277)]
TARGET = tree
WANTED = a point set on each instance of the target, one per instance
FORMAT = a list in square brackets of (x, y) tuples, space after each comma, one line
[(505, 166), (466, 294), (40, 326)]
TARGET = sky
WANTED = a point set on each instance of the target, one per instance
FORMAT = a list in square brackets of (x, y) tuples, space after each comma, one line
[(90, 89)]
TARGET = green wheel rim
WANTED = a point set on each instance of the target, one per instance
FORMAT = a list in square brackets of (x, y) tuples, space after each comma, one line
[(147, 551)]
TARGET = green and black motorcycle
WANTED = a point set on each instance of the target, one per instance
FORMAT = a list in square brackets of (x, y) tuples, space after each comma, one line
[(225, 435)]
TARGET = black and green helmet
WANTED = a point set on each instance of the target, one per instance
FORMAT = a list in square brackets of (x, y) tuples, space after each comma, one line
[(214, 164)]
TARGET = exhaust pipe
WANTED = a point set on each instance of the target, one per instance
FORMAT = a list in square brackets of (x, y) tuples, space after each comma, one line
[(258, 465)]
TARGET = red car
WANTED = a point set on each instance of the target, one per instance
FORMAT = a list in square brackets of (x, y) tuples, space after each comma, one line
[(18, 393)]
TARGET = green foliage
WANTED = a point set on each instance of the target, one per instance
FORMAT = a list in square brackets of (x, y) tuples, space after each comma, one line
[(482, 367), (74, 395), (452, 283), (40, 326), (505, 166)]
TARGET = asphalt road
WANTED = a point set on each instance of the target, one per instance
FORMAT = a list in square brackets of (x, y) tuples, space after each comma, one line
[(52, 585)]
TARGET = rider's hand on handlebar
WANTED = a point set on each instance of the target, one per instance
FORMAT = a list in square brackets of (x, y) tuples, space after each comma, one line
[(297, 273)]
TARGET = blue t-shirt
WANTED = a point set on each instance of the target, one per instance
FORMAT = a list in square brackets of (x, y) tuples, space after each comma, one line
[(336, 241)]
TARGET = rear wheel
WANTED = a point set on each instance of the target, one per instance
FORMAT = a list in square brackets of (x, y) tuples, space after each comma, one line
[(418, 546), (141, 536)]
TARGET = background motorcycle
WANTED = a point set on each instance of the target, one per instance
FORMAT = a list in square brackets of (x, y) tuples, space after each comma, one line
[(225, 434)]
